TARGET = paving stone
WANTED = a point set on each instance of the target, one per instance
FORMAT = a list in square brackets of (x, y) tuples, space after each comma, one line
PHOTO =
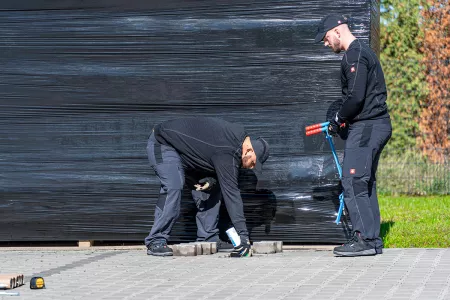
[(206, 248), (213, 248), (264, 247), (278, 245), (198, 247), (185, 250)]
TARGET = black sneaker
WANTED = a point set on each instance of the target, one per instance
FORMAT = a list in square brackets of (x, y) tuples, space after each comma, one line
[(355, 247), (379, 250), (159, 248), (224, 246)]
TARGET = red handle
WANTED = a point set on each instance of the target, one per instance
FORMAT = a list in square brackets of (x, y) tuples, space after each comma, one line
[(318, 125), (311, 127), (314, 131)]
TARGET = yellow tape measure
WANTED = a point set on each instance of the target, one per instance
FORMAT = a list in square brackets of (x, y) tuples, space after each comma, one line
[(37, 283)]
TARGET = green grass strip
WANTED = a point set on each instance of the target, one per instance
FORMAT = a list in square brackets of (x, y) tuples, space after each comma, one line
[(415, 222)]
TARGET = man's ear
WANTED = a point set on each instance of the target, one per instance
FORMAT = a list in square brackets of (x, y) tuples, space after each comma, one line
[(337, 31)]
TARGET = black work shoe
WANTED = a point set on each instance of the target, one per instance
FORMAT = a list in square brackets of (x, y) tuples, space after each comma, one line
[(159, 249), (355, 247), (224, 246)]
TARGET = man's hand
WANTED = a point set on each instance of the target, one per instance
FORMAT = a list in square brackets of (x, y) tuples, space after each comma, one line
[(335, 125), (207, 184), (244, 248)]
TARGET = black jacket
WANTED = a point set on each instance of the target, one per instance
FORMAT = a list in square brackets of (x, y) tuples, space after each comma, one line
[(212, 145), (363, 86)]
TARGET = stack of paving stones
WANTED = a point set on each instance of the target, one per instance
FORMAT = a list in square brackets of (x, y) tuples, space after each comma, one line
[(194, 249), (206, 248)]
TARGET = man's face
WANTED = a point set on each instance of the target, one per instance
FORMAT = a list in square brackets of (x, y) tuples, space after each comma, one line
[(249, 159), (332, 40)]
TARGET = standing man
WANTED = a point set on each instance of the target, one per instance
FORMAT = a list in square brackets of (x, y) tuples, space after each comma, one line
[(210, 146), (365, 112)]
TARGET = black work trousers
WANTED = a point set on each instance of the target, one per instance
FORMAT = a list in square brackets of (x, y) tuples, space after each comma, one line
[(166, 163), (364, 144)]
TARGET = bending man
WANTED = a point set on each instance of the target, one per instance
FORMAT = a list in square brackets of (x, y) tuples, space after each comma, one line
[(206, 145)]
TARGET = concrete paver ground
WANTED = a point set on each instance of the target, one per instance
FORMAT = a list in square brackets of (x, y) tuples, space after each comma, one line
[(302, 274)]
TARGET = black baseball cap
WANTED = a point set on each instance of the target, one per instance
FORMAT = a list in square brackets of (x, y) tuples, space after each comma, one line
[(261, 148), (328, 23)]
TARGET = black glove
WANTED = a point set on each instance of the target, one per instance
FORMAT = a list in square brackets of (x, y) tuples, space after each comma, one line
[(243, 249), (207, 184), (335, 126)]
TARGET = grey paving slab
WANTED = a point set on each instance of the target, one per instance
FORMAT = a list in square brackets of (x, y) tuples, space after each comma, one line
[(304, 274)]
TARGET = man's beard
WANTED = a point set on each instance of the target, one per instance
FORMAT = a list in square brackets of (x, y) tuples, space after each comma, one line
[(336, 47)]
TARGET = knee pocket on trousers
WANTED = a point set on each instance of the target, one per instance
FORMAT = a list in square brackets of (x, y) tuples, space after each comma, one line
[(161, 201), (354, 186), (360, 185), (171, 175)]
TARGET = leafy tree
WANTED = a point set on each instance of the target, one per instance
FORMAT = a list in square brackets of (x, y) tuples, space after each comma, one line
[(401, 57), (434, 139)]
